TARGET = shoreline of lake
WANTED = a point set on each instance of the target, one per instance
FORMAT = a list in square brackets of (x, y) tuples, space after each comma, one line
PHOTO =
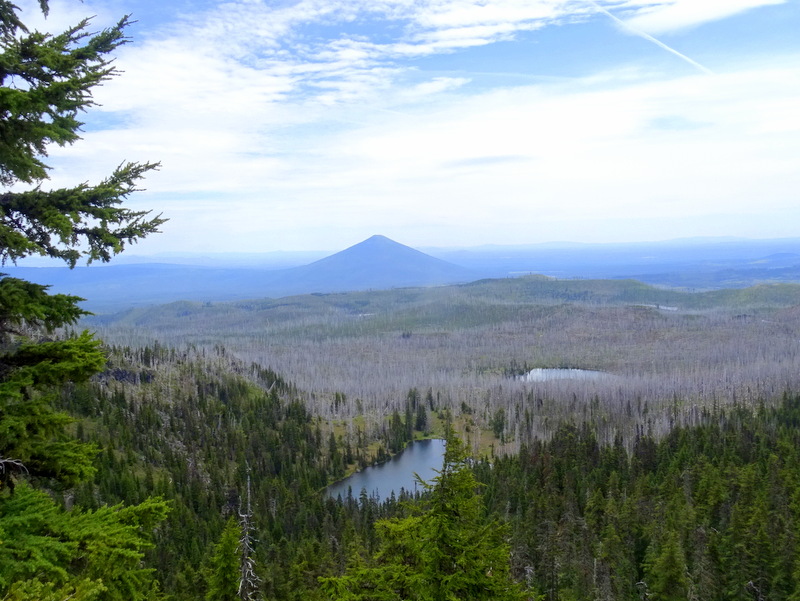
[(550, 374), (422, 456)]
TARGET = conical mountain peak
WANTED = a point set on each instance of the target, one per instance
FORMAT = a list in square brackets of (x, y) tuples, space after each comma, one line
[(380, 262)]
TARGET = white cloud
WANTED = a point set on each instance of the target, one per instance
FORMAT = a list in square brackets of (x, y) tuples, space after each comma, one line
[(466, 13), (588, 153), (434, 86), (675, 15)]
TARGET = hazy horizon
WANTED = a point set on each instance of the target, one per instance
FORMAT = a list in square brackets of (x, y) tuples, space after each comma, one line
[(289, 258)]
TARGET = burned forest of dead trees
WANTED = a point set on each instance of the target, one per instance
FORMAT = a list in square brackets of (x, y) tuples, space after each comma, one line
[(668, 356)]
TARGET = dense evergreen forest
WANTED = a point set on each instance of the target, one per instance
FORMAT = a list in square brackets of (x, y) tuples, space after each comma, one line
[(707, 512)]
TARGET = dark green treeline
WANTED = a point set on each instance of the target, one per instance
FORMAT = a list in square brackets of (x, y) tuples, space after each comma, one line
[(710, 512)]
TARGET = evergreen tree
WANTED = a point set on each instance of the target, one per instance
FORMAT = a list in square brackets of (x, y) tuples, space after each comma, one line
[(223, 574), (49, 553), (465, 555), (666, 572), (93, 554), (45, 80)]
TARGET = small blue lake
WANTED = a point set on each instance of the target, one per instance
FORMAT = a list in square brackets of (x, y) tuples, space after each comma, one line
[(422, 457)]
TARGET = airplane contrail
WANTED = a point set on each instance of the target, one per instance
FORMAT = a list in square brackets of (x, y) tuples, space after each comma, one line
[(650, 38)]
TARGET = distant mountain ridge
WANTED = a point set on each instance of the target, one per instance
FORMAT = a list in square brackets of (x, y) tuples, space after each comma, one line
[(380, 263), (375, 263)]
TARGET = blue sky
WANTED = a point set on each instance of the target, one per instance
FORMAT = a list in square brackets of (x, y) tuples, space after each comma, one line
[(313, 124)]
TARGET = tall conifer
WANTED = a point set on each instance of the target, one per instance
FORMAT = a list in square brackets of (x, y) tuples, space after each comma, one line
[(45, 81), (223, 576)]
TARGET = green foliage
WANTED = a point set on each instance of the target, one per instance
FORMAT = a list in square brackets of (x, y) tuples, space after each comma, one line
[(27, 305), (31, 372), (707, 512), (224, 566), (466, 556), (47, 79), (92, 551), (187, 427), (667, 572), (710, 511), (498, 423), (36, 590), (74, 222)]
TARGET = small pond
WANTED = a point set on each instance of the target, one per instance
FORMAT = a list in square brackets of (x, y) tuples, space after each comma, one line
[(548, 375), (422, 457)]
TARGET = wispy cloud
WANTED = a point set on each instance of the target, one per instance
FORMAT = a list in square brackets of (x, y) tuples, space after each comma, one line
[(487, 161), (628, 27), (664, 16)]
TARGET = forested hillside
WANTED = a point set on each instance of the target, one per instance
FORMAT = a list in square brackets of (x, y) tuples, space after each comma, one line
[(668, 483), (190, 427), (709, 511)]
